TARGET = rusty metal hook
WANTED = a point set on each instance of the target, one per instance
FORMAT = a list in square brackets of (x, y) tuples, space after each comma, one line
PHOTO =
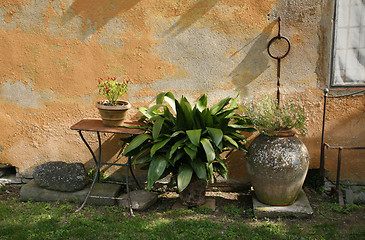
[(278, 37), (273, 40), (278, 58)]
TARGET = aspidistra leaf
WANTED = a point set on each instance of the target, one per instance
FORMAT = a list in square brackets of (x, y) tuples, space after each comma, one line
[(229, 139), (199, 169), (216, 134), (219, 106), (194, 136), (155, 170), (175, 147), (221, 168), (136, 142), (210, 171), (190, 152), (187, 110), (180, 118), (168, 97), (142, 160), (158, 146), (209, 150), (184, 176), (202, 103), (157, 128)]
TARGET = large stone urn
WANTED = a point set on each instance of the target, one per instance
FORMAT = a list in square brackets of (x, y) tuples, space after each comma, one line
[(277, 166)]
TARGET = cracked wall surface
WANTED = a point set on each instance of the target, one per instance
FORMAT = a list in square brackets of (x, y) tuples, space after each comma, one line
[(53, 51)]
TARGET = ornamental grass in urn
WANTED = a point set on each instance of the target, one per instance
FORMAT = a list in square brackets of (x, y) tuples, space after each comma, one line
[(187, 141), (277, 160), (112, 110)]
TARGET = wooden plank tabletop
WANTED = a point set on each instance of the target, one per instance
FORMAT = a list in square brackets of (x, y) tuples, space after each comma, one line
[(96, 125)]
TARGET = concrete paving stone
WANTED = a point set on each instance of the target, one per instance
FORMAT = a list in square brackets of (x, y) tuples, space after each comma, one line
[(104, 194), (32, 191), (349, 196), (141, 200), (300, 209)]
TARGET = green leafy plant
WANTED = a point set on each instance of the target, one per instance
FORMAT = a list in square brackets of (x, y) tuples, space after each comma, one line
[(268, 117), (183, 139), (91, 175), (112, 90)]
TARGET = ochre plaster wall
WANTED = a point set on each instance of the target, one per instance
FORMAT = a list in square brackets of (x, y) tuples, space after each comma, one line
[(53, 51)]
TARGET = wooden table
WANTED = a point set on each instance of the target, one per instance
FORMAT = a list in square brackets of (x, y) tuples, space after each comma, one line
[(96, 125)]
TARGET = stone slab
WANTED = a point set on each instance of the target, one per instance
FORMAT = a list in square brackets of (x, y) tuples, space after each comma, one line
[(10, 179), (300, 209), (32, 191), (141, 200), (104, 194), (210, 203)]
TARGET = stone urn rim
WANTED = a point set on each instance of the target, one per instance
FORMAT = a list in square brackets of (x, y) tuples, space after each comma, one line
[(286, 132)]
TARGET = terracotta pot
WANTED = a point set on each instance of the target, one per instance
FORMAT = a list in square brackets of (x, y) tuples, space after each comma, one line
[(194, 194), (277, 166), (113, 115)]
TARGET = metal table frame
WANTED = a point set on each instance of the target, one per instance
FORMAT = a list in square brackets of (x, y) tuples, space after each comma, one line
[(96, 125)]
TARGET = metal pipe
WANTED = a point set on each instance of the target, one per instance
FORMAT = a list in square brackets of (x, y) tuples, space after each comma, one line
[(278, 82), (98, 165), (322, 170), (338, 168)]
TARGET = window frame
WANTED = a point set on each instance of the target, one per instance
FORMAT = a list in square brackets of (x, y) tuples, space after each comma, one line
[(332, 83)]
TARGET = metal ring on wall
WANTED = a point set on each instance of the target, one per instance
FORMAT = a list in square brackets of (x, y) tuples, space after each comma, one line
[(273, 40)]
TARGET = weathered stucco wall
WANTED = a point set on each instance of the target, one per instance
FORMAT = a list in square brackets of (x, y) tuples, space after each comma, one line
[(53, 51)]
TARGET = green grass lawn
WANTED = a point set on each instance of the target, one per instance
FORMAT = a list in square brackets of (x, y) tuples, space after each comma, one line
[(39, 220)]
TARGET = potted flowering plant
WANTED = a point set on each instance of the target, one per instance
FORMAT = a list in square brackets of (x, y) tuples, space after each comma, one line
[(112, 110)]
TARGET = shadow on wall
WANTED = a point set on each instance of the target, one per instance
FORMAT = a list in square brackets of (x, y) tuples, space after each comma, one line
[(190, 17), (109, 150), (255, 62), (96, 13)]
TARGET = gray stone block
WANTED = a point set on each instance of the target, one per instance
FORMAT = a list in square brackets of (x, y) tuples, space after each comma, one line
[(61, 176), (349, 196), (104, 194), (33, 191), (141, 200), (300, 209)]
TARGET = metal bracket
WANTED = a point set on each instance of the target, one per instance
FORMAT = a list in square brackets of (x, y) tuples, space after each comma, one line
[(278, 58)]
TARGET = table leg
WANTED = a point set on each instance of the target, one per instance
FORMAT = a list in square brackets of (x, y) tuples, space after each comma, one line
[(130, 168), (88, 194), (97, 163), (97, 174), (128, 191)]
